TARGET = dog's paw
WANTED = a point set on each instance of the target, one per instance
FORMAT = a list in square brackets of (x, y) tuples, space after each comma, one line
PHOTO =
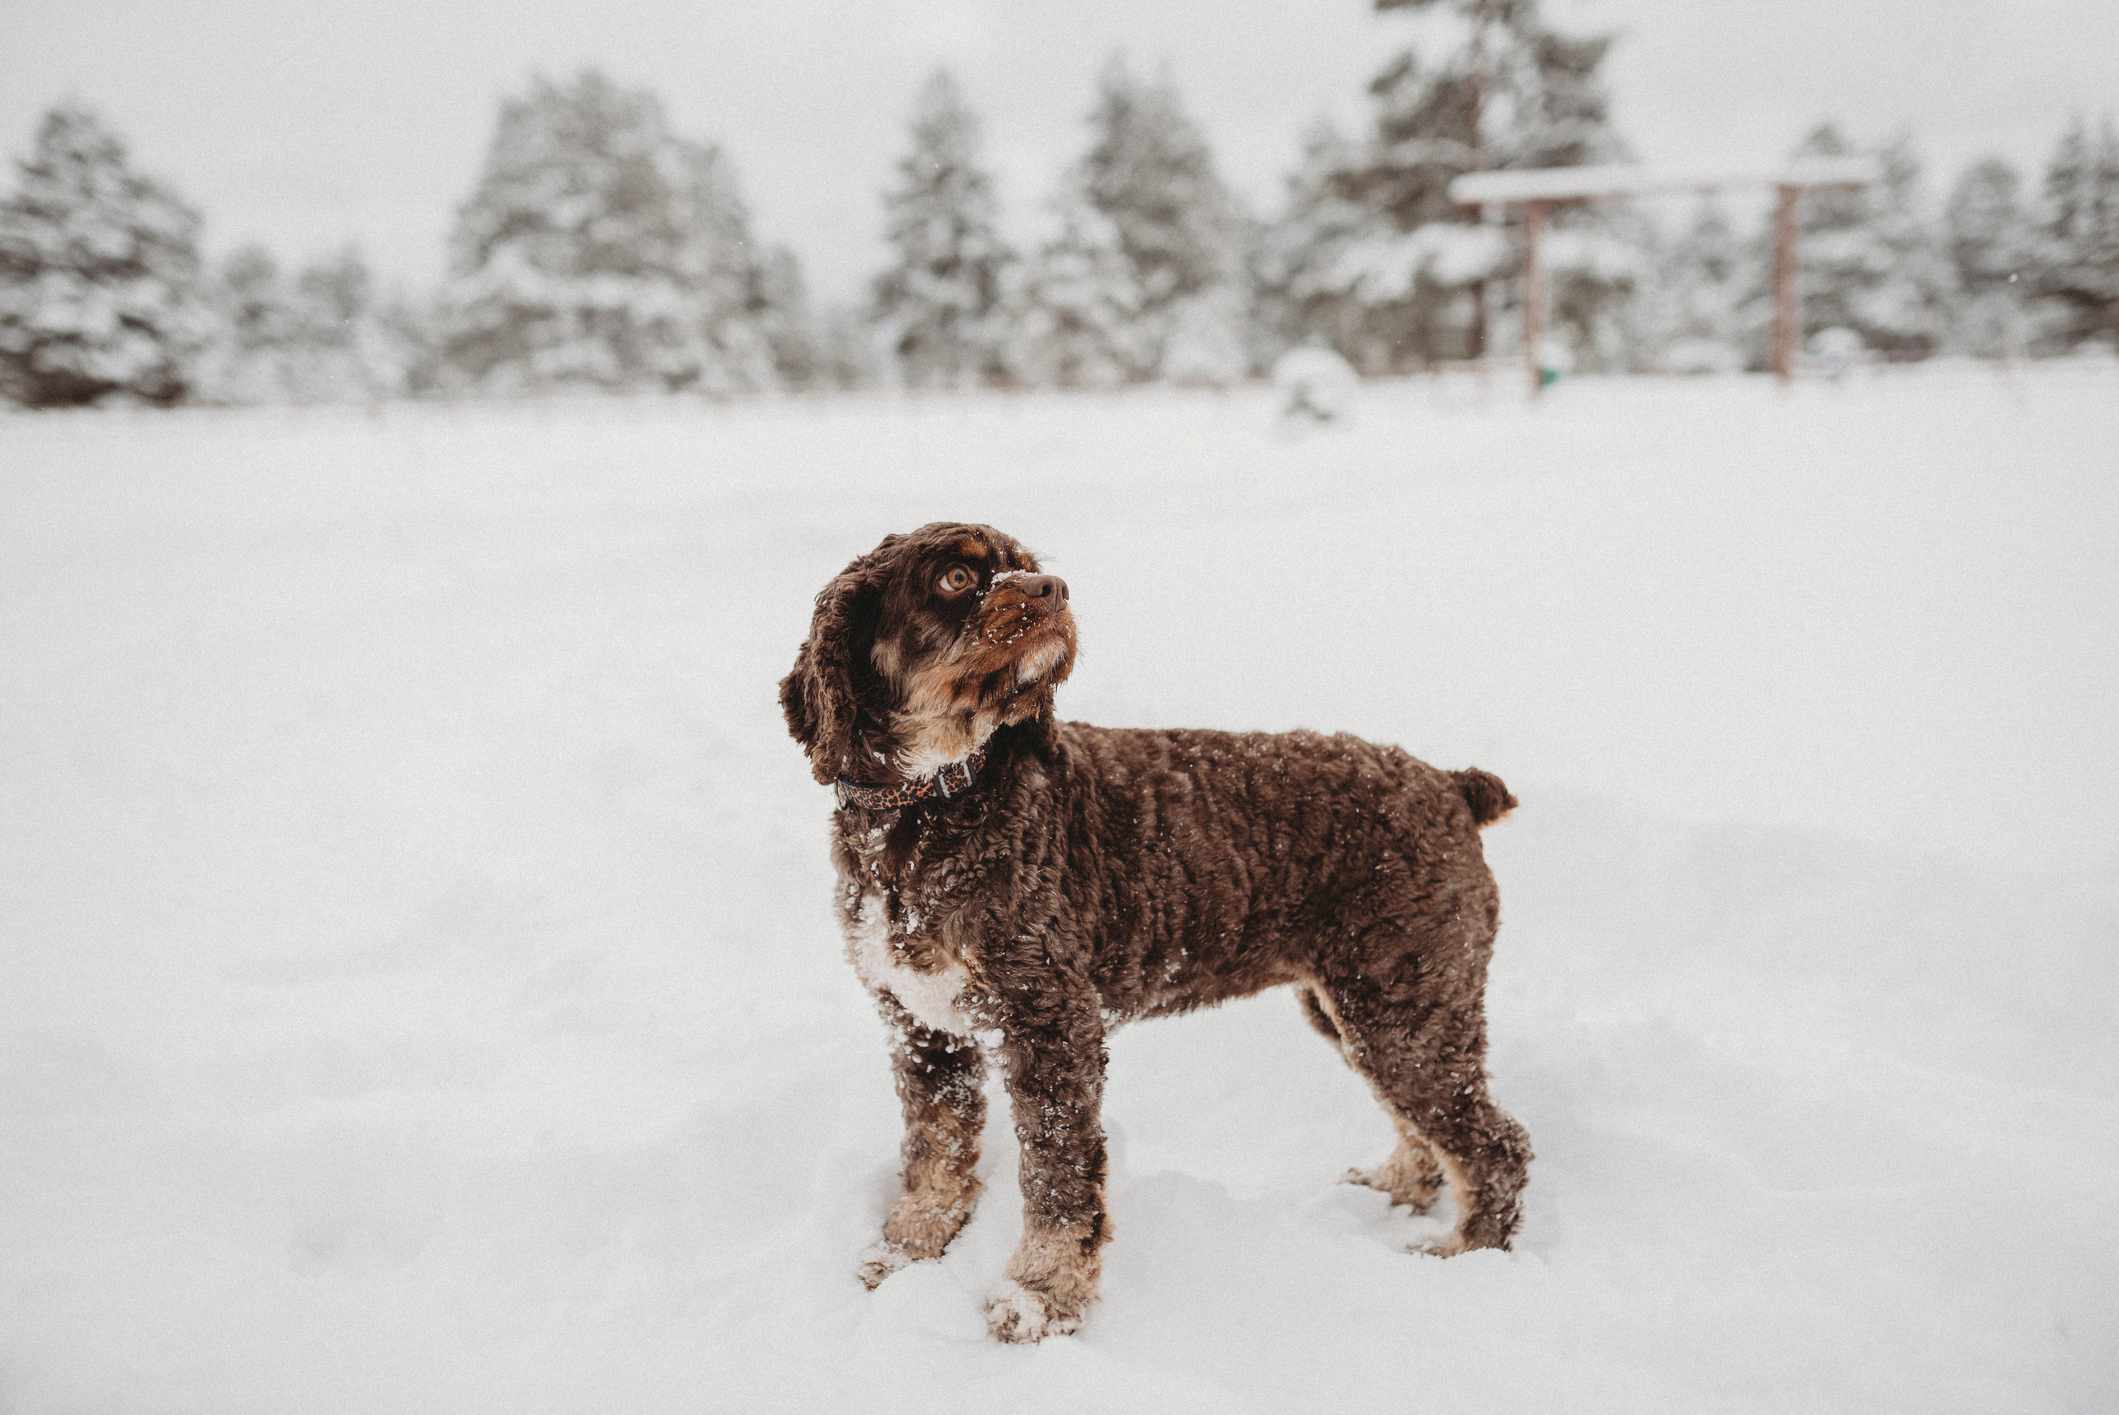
[(1418, 1194), (1367, 1179), (1449, 1246), (878, 1261), (1018, 1313)]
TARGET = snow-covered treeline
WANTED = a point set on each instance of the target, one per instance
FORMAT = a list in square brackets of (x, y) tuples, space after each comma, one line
[(599, 248)]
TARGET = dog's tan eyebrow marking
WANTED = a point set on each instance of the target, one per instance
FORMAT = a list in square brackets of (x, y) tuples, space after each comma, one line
[(973, 550)]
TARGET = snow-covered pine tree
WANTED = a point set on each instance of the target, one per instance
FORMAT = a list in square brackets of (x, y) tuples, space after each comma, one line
[(1510, 92), (2104, 244), (849, 352), (1147, 272), (322, 337), (1543, 102), (2080, 281), (1701, 293), (563, 258), (1836, 251), (940, 302), (1418, 271), (411, 333), (1150, 175), (99, 273), (348, 354), (255, 331), (1993, 253), (1304, 288), (1872, 261), (1904, 307), (729, 291), (1601, 257), (780, 305), (1077, 307), (1988, 233), (600, 249)]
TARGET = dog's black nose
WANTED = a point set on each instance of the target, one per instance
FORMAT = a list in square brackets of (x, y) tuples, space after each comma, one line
[(1050, 587)]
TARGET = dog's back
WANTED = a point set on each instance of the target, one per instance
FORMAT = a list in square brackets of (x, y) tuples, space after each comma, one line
[(1204, 865)]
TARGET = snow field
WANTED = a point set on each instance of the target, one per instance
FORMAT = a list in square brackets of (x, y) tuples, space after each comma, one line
[(421, 991)]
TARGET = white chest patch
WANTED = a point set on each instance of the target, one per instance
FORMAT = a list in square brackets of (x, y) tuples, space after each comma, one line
[(931, 997)]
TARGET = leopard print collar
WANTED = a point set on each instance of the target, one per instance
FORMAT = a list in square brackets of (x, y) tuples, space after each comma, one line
[(952, 780)]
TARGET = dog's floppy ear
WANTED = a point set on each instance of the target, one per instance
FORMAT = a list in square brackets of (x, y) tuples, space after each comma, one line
[(817, 695)]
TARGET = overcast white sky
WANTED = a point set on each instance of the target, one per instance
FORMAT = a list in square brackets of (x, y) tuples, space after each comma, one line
[(305, 125)]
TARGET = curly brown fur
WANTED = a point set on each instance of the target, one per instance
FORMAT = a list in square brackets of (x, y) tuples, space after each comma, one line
[(1091, 876)]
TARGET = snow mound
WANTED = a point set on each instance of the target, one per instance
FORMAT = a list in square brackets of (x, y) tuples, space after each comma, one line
[(1315, 385)]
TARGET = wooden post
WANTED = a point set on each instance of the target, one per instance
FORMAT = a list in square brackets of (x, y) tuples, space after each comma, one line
[(1493, 219), (1533, 293), (1787, 317)]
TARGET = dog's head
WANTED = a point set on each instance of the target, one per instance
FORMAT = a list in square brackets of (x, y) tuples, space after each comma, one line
[(924, 647)]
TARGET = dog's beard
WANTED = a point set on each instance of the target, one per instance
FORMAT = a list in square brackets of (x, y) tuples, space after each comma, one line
[(1050, 651), (1002, 674), (1045, 659)]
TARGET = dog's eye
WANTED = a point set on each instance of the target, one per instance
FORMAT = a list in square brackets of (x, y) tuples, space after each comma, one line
[(956, 579)]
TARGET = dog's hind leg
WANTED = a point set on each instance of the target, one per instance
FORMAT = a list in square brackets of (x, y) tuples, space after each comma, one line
[(1426, 1059), (938, 1080), (1411, 1175)]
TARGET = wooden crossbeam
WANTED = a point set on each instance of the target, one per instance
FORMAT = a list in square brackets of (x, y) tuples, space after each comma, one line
[(1554, 185)]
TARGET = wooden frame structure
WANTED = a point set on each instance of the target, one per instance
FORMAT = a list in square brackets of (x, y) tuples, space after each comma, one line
[(1538, 191)]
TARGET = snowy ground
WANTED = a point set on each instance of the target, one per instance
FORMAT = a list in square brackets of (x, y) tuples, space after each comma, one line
[(418, 992)]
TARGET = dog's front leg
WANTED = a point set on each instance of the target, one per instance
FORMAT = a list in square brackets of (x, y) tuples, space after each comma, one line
[(938, 1079), (1052, 1045)]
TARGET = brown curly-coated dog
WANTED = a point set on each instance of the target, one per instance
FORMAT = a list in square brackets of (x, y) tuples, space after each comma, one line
[(1012, 883)]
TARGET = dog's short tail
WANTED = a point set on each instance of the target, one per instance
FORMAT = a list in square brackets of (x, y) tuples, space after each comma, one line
[(1485, 793)]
